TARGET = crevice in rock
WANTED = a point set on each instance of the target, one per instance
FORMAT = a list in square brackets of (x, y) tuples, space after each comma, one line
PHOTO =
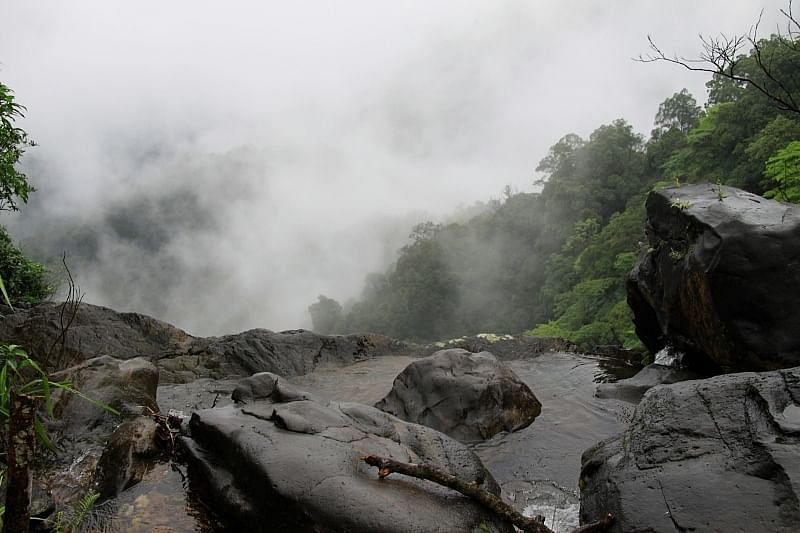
[(707, 403), (678, 527)]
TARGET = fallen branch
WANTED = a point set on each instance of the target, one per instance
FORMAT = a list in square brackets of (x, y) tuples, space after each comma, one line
[(601, 526), (388, 466)]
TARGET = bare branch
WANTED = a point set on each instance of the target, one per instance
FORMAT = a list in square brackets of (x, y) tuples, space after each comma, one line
[(388, 466), (720, 55)]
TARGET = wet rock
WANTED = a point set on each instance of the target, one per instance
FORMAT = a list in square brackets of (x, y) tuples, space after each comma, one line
[(127, 457), (180, 357), (718, 278), (81, 428), (288, 353), (632, 389), (274, 465), (127, 386), (504, 347), (720, 454), (94, 331), (270, 387), (468, 396), (203, 393)]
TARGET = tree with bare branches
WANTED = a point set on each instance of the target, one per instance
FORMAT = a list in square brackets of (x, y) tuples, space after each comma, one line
[(771, 66)]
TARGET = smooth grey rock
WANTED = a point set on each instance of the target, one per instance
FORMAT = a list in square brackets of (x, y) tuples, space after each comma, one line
[(180, 357), (287, 353), (720, 454), (296, 466), (202, 393), (720, 279), (95, 331), (465, 395), (127, 386), (632, 389)]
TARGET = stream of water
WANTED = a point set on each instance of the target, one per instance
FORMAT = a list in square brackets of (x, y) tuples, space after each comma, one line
[(537, 467)]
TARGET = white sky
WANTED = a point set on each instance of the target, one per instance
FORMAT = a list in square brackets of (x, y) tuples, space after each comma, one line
[(358, 113)]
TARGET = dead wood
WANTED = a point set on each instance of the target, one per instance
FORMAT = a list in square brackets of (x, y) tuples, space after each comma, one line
[(472, 490)]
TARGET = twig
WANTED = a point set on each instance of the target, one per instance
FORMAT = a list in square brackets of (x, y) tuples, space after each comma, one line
[(169, 426), (388, 466)]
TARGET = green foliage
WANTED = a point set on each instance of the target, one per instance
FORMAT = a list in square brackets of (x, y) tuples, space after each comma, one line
[(20, 374), (25, 281), (681, 205), (783, 170), (14, 184), (679, 112), (4, 292), (558, 259), (79, 513)]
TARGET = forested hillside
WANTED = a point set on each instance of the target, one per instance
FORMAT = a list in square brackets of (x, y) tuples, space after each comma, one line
[(554, 263)]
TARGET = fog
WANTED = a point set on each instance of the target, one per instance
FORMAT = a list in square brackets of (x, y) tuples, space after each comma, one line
[(219, 165)]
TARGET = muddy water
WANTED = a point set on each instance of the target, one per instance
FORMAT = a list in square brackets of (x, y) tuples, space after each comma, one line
[(538, 466)]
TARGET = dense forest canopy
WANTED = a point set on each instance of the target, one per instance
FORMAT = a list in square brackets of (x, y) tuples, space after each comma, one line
[(554, 263)]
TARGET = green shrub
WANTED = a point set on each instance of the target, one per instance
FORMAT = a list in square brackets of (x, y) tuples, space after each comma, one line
[(25, 280)]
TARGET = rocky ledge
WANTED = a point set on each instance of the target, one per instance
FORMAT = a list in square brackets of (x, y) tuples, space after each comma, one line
[(720, 454), (282, 460), (719, 279)]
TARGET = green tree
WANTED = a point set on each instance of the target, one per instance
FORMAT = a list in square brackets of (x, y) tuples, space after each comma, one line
[(783, 169), (326, 315), (767, 71), (25, 280), (14, 184), (679, 112), (21, 280)]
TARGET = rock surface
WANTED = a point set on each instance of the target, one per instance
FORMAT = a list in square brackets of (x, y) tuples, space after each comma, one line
[(468, 396), (504, 347), (180, 357), (95, 331), (82, 429), (721, 454), (719, 277), (288, 353), (632, 389), (285, 461)]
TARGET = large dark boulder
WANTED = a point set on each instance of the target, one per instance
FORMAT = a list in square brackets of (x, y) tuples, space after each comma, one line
[(469, 396), (281, 460), (720, 279), (721, 454)]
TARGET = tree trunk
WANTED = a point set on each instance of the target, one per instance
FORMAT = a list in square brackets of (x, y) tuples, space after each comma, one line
[(21, 446)]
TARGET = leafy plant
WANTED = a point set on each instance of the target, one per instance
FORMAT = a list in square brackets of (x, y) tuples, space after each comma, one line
[(23, 376), (24, 383), (5, 293), (77, 515), (720, 195), (25, 281), (783, 169), (13, 142), (682, 205)]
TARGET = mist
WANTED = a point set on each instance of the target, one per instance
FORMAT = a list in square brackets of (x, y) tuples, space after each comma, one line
[(220, 165)]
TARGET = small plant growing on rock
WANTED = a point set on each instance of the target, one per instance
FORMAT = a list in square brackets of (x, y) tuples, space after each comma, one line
[(720, 195), (676, 255), (680, 204)]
